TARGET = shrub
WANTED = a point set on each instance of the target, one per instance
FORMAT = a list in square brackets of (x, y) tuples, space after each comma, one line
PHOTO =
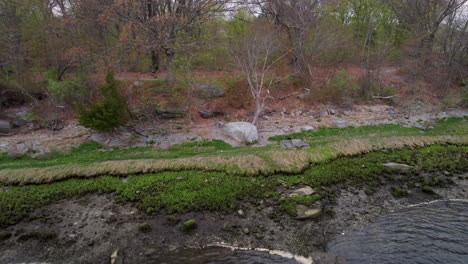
[(107, 114), (341, 85)]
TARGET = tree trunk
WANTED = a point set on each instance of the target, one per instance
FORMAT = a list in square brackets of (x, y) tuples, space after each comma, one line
[(170, 54), (154, 61), (258, 110)]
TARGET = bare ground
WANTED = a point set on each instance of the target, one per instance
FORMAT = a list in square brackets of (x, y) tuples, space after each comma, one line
[(90, 228)]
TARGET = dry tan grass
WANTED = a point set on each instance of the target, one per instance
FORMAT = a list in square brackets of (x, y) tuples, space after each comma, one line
[(265, 163)]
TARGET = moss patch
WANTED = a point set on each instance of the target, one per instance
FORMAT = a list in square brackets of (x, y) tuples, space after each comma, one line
[(189, 225)]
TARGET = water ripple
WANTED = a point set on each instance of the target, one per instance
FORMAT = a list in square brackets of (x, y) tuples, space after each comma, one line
[(427, 233)]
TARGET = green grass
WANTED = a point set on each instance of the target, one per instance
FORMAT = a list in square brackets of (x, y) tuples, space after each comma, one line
[(92, 152), (452, 126), (177, 192)]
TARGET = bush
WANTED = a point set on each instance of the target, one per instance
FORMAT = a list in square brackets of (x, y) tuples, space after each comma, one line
[(107, 114), (341, 85)]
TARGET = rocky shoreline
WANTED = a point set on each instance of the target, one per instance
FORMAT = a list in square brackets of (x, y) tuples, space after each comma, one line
[(163, 134), (91, 228)]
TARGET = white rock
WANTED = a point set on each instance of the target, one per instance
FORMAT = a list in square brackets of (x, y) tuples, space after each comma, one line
[(242, 132), (307, 190)]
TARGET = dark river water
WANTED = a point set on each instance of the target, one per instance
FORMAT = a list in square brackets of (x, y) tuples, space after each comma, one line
[(218, 255), (430, 233)]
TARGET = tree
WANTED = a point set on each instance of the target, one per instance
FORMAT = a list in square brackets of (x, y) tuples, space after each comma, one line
[(154, 24), (423, 18), (256, 53), (107, 114)]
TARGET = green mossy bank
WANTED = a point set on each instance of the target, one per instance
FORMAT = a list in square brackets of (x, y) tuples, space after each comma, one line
[(176, 192)]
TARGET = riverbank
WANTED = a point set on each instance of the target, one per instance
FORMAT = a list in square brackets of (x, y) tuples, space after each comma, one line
[(142, 215)]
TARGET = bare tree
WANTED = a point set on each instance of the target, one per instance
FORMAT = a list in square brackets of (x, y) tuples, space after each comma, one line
[(424, 18), (154, 24), (297, 18), (256, 54)]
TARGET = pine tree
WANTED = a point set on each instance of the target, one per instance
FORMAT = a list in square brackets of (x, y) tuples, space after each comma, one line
[(107, 114)]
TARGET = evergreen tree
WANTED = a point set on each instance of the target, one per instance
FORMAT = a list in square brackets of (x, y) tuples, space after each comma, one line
[(107, 114)]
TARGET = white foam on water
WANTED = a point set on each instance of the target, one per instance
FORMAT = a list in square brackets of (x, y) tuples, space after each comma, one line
[(300, 259), (436, 201)]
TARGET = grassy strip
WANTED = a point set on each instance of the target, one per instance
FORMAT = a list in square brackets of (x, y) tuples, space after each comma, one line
[(183, 191), (89, 159), (253, 163), (452, 126)]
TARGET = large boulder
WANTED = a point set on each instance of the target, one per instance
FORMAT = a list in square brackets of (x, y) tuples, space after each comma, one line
[(209, 91), (172, 112), (242, 132)]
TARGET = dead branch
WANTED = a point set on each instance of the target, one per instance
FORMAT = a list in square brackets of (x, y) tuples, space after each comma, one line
[(292, 94)]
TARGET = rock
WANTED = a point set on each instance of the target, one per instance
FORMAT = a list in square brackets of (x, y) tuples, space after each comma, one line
[(54, 124), (341, 123), (303, 212), (294, 144), (219, 124), (5, 126), (150, 252), (306, 128), (18, 123), (241, 213), (209, 91), (242, 132), (99, 138), (397, 167), (331, 111), (117, 257), (205, 114), (137, 84), (189, 225), (323, 114), (246, 230), (391, 111), (307, 190), (172, 112)]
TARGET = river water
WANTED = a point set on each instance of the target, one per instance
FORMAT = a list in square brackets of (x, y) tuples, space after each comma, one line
[(221, 255), (435, 232)]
